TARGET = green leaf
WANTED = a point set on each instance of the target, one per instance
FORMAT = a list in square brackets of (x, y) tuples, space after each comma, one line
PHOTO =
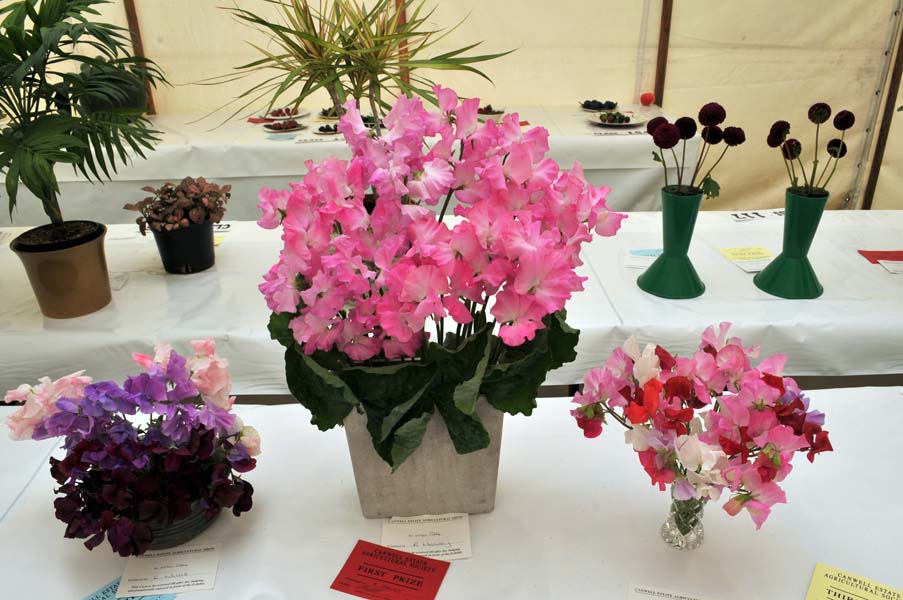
[(400, 411), (280, 330), (656, 157), (326, 396), (710, 187), (512, 385), (466, 393), (408, 438), (466, 431)]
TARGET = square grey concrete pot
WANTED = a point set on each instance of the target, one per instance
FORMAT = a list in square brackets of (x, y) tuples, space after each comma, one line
[(435, 479)]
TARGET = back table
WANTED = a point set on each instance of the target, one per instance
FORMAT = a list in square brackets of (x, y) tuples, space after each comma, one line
[(248, 157), (855, 328)]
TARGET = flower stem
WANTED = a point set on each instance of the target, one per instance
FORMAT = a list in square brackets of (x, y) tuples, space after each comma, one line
[(723, 152), (677, 165), (683, 162), (703, 152), (815, 158), (803, 171), (664, 166), (787, 166)]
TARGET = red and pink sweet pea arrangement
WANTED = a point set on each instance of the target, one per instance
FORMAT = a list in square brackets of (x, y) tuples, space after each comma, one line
[(708, 424)]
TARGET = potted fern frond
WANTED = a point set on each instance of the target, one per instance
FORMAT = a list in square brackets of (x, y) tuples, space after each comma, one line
[(90, 117)]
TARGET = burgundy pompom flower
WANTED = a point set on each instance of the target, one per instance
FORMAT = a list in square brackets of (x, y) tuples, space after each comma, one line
[(778, 133), (734, 136), (837, 148), (792, 149), (844, 120), (712, 114), (687, 127), (819, 113), (712, 134), (666, 136), (653, 124)]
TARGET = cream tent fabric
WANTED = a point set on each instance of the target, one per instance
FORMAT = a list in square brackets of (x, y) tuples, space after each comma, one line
[(762, 60)]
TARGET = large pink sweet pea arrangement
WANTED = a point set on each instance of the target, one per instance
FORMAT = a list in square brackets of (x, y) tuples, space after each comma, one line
[(363, 283), (706, 425), (145, 454)]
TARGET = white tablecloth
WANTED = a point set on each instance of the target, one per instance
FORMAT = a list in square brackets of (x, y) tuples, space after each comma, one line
[(248, 157), (222, 302), (854, 328), (587, 530), (19, 462)]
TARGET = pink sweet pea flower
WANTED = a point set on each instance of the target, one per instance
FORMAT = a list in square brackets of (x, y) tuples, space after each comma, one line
[(40, 402), (519, 315), (272, 204), (210, 374), (447, 98), (250, 439)]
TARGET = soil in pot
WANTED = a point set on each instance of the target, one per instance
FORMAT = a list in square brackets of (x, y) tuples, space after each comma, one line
[(67, 267)]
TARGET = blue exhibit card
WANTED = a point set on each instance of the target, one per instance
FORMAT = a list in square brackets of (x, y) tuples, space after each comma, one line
[(108, 592)]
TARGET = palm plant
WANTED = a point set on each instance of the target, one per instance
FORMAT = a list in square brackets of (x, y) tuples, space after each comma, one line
[(373, 52), (64, 105)]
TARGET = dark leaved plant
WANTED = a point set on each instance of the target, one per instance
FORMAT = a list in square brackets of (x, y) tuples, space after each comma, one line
[(175, 206)]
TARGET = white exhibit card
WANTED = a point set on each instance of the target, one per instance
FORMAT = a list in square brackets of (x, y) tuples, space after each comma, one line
[(180, 569), (645, 592), (892, 266), (446, 537)]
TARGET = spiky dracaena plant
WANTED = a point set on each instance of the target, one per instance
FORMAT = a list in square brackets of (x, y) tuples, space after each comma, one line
[(372, 52), (72, 94)]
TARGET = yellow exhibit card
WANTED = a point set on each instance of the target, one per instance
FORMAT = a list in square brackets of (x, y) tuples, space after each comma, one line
[(746, 253), (833, 584)]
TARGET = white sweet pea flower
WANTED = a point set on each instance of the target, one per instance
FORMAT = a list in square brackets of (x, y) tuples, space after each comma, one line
[(708, 484), (696, 455), (638, 437), (646, 367), (632, 348)]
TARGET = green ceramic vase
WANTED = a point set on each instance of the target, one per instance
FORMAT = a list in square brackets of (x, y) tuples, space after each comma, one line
[(672, 274), (791, 275)]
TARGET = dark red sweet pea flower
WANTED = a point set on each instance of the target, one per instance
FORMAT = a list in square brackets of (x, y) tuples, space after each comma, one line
[(732, 448), (644, 407), (665, 360), (818, 440), (592, 428), (775, 381), (679, 387)]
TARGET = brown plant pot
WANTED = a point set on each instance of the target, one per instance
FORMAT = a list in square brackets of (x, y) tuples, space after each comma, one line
[(66, 266)]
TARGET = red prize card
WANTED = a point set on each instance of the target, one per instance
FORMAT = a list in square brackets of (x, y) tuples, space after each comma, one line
[(873, 256), (378, 573)]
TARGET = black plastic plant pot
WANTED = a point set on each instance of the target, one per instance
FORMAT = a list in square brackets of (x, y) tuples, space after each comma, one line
[(186, 250)]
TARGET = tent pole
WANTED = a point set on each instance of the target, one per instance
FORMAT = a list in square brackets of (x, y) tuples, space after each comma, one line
[(664, 41), (131, 16), (890, 101)]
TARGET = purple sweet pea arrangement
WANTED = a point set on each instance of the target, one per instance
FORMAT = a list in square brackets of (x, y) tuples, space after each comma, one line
[(144, 455)]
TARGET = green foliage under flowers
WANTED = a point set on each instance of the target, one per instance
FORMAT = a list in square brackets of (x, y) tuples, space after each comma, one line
[(400, 397), (87, 116)]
